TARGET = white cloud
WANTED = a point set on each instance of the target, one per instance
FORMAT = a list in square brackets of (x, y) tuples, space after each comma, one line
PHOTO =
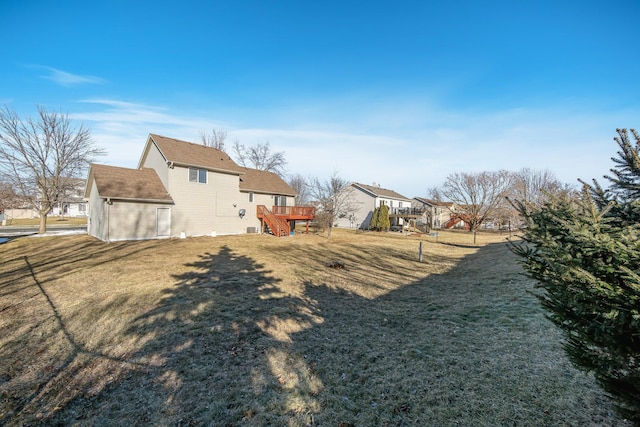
[(121, 128), (66, 79), (409, 156)]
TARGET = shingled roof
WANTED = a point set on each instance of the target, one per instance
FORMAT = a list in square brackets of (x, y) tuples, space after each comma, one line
[(264, 182), (381, 192), (128, 184), (434, 202), (197, 155)]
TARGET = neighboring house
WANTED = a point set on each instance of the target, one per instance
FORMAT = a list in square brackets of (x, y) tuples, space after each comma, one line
[(369, 197), (20, 213), (180, 189), (71, 201), (437, 214)]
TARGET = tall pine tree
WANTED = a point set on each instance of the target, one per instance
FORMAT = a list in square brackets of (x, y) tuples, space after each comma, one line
[(585, 253)]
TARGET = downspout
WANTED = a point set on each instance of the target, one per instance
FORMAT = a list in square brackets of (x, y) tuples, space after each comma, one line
[(108, 222)]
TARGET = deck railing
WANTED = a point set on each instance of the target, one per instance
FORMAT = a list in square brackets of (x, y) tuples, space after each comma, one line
[(278, 226), (295, 211), (406, 211)]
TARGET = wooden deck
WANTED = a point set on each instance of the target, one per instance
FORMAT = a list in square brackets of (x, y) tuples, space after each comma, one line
[(294, 213), (281, 219)]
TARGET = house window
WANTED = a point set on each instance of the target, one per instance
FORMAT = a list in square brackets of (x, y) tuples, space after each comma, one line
[(279, 200), (82, 207), (198, 175), (250, 197)]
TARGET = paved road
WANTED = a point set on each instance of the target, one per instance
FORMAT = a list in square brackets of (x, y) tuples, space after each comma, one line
[(14, 231)]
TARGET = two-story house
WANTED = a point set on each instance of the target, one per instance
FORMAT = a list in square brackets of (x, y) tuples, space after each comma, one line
[(180, 189), (369, 197), (71, 200)]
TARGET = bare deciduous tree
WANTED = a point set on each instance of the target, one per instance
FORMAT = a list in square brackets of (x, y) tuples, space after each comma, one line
[(478, 195), (534, 186), (336, 199), (260, 157), (301, 187), (215, 139), (37, 156)]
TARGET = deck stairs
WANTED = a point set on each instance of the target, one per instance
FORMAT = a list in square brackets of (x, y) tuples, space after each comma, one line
[(275, 225)]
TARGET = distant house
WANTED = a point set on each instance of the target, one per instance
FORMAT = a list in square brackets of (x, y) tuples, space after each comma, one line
[(71, 200), (369, 197), (183, 189), (437, 214)]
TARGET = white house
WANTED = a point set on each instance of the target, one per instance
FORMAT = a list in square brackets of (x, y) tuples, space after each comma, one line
[(71, 202)]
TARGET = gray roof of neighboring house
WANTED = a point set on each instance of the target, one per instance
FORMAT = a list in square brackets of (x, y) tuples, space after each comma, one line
[(381, 192), (196, 155), (264, 182), (434, 202), (128, 184)]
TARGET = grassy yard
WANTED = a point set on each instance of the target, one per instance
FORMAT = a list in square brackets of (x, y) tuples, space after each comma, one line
[(256, 330)]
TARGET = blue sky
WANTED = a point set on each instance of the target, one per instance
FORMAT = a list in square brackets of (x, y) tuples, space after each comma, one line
[(399, 94)]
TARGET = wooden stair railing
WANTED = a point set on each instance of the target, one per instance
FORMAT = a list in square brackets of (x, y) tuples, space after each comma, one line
[(456, 219), (278, 226)]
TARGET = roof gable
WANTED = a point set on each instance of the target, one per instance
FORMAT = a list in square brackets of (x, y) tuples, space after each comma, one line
[(128, 184), (196, 155), (264, 182), (380, 192)]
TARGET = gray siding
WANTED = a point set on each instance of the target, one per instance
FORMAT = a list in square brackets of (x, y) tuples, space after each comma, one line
[(153, 159), (366, 205), (133, 220), (97, 223), (206, 208)]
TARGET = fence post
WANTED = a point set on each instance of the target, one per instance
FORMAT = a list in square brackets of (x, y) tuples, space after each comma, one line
[(420, 252)]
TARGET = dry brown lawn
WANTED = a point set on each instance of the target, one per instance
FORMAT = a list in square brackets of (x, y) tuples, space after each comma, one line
[(255, 330)]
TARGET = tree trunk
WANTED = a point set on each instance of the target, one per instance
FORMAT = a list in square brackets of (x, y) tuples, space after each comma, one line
[(43, 223)]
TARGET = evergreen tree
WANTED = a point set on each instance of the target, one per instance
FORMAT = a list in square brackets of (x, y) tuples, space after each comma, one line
[(380, 219), (384, 222), (585, 253), (374, 223)]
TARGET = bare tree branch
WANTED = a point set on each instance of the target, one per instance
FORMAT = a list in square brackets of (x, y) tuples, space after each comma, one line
[(477, 195), (301, 187), (215, 140), (37, 156), (260, 157), (336, 198), (534, 186)]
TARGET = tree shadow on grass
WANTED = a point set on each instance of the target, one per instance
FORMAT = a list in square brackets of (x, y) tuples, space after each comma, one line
[(216, 351), (226, 346), (43, 365)]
